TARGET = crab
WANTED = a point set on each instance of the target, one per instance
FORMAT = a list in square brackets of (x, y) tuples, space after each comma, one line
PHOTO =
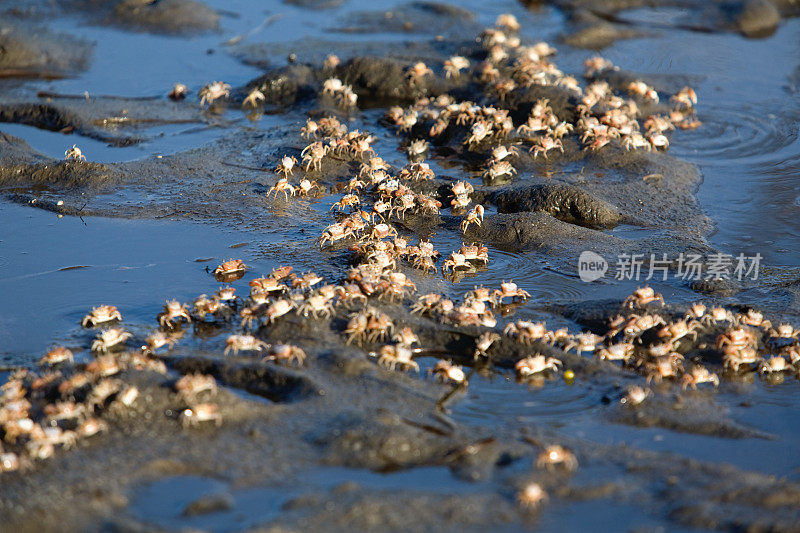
[(278, 309), (534, 364), (286, 165), (475, 253), (173, 313), (498, 169), (456, 261), (478, 132), (178, 92), (509, 289), (56, 355), (406, 337), (736, 338), (397, 356), (231, 267), (484, 342), (203, 306), (190, 386), (197, 414), (636, 140), (753, 318), (641, 297), (525, 331), (253, 98), (636, 324), (282, 185), (475, 216), (556, 455), (502, 152), (417, 148), (333, 233), (736, 357), (665, 366), (109, 339), (100, 315), (658, 140), (244, 343), (678, 330), (773, 365), (382, 231), (214, 91), (698, 375), (416, 72), (316, 305), (313, 154), (583, 342), (454, 66), (621, 351), (74, 154), (545, 144), (634, 395), (686, 98), (286, 352), (532, 496), (348, 200), (447, 371)]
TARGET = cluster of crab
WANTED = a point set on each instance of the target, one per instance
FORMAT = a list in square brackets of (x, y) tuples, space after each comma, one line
[(475, 310), (657, 347), (62, 403), (603, 114)]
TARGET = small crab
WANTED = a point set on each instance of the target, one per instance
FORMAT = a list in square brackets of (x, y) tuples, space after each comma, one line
[(278, 309), (416, 72), (313, 154), (634, 395), (556, 455), (202, 412), (642, 296), (191, 385), (396, 356), (583, 342), (178, 92), (282, 185), (214, 91), (109, 339), (316, 305), (286, 166), (100, 315), (475, 216), (173, 313), (56, 355), (509, 289), (286, 352), (447, 371), (231, 267), (698, 375), (545, 144), (773, 365), (454, 66), (621, 351), (253, 98), (484, 342), (534, 364), (74, 154), (498, 169), (244, 343)]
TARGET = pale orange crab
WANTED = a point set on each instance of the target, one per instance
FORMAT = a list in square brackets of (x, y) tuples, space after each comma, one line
[(534, 364), (232, 268), (173, 313), (100, 315), (555, 456), (475, 216), (641, 297), (286, 166)]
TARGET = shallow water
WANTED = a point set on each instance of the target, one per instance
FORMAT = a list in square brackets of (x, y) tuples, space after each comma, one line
[(53, 269)]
